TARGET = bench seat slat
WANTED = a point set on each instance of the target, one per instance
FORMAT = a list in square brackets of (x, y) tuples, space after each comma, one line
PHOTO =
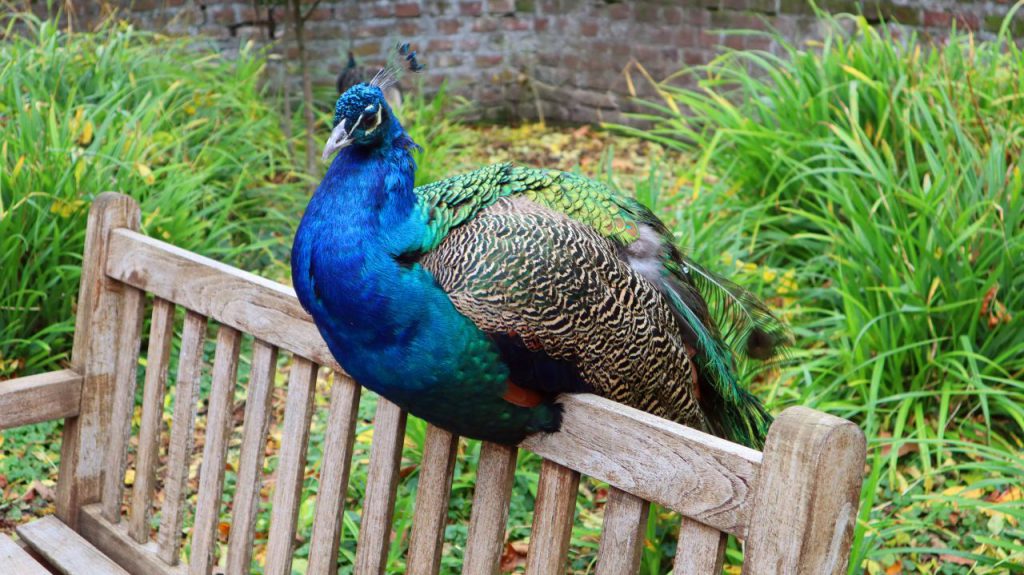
[(66, 550), (381, 487), (552, 519), (430, 517), (622, 533), (250, 459), (334, 469), (495, 472), (186, 395), (161, 332), (14, 559), (218, 431), (115, 542)]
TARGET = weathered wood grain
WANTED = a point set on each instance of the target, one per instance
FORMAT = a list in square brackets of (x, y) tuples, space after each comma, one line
[(65, 549), (250, 459), (244, 301), (552, 519), (495, 472), (700, 549), (94, 356), (290, 465), (115, 542), (806, 496), (15, 560), (334, 469), (43, 397), (683, 469), (186, 396), (129, 338), (161, 333), (430, 517), (215, 451), (381, 486), (622, 533)]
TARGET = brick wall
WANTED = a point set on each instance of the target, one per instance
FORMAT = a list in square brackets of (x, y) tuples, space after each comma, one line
[(511, 57)]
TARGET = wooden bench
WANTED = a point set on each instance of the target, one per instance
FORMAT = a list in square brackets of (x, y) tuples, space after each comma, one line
[(794, 505)]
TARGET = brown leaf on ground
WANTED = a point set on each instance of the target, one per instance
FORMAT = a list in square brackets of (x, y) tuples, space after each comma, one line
[(956, 559), (513, 556)]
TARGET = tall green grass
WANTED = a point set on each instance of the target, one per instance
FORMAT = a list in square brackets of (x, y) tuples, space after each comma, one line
[(881, 179), (188, 133)]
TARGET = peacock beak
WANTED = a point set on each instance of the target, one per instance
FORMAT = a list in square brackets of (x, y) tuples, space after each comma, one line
[(338, 140)]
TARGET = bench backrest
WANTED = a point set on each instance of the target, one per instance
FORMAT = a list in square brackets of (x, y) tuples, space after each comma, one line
[(794, 505)]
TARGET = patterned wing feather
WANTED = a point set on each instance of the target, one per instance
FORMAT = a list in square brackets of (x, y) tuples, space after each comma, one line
[(521, 270)]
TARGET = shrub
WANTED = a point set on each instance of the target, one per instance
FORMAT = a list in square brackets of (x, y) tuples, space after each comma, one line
[(189, 134), (884, 174)]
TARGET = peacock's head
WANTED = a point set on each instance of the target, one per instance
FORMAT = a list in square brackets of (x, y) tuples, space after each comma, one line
[(361, 118)]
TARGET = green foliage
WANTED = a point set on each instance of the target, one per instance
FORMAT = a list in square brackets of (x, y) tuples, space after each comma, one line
[(432, 123), (885, 176), (189, 134)]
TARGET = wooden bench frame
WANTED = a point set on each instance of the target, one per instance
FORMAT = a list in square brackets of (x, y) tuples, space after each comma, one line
[(794, 505)]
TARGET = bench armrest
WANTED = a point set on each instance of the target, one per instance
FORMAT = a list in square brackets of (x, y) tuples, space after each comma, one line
[(35, 398)]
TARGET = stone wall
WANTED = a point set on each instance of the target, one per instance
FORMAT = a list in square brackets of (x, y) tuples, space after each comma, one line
[(566, 58)]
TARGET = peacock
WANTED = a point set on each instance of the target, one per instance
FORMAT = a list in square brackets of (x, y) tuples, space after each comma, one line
[(473, 302)]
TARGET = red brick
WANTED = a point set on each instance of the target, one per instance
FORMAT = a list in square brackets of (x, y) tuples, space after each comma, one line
[(501, 6), (471, 8), (672, 15), (489, 60), (407, 10), (448, 26), (619, 11), (515, 24), (485, 25), (409, 28), (384, 11), (588, 28), (321, 14), (440, 45), (540, 24), (967, 21), (937, 19)]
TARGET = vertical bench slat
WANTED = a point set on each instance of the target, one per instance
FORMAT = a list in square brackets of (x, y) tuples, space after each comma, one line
[(218, 431), (250, 460), (431, 513), (290, 466), (700, 549), (381, 486), (552, 519), (334, 469), (94, 356), (495, 472), (161, 332), (186, 394), (622, 533), (129, 338)]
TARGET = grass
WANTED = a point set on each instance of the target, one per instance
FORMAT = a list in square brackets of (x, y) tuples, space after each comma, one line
[(870, 190), (885, 176)]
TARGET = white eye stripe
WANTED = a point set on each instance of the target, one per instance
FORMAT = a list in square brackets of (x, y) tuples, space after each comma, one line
[(376, 122)]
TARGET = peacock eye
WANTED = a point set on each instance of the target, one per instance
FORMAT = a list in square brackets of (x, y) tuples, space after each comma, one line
[(370, 123)]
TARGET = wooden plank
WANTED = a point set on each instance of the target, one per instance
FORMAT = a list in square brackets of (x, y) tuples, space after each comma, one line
[(807, 496), (65, 549), (129, 336), (215, 451), (43, 397), (426, 543), (334, 469), (15, 560), (290, 466), (700, 549), (186, 395), (696, 474), (495, 472), (250, 459), (115, 542), (381, 486), (622, 533), (94, 356), (244, 301), (552, 519), (147, 456)]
